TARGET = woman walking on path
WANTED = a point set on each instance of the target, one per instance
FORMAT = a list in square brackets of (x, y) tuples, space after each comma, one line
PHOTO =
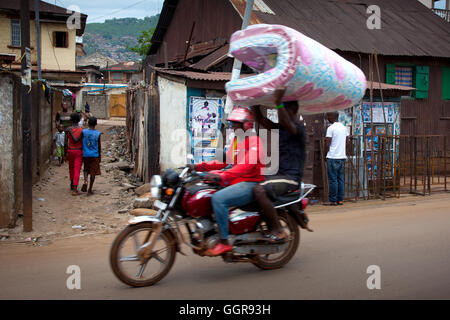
[(63, 117), (74, 151), (92, 150)]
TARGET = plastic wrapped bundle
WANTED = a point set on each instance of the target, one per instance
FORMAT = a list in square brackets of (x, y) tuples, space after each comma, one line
[(318, 78)]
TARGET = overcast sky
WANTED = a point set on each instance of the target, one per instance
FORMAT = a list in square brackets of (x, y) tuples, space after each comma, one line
[(99, 10), (440, 4)]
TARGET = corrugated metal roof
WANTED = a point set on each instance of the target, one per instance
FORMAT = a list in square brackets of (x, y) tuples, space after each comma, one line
[(123, 66), (204, 48), (239, 6), (407, 27), (386, 86), (205, 76), (212, 59)]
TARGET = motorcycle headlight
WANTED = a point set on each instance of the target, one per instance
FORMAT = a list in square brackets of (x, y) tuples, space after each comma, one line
[(155, 186)]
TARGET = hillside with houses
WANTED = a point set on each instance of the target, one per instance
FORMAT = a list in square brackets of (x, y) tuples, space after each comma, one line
[(114, 37)]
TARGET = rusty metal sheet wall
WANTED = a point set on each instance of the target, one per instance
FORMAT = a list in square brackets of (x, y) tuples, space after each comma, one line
[(143, 131), (418, 116), (214, 20), (46, 130)]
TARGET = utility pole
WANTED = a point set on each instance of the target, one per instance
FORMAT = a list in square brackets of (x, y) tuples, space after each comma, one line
[(26, 117), (38, 38), (238, 64)]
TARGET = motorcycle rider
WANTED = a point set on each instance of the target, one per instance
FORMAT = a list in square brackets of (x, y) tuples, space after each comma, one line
[(239, 180), (292, 155)]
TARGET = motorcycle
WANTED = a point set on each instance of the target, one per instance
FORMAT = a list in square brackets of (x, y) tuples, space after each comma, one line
[(144, 251)]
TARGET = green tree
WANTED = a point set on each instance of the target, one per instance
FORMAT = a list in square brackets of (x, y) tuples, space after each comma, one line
[(144, 42)]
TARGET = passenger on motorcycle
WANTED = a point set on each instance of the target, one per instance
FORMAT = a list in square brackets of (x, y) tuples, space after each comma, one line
[(292, 154), (239, 180)]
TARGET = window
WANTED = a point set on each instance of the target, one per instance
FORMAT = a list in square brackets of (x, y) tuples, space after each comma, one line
[(117, 76), (446, 83), (411, 76), (15, 33), (60, 39), (404, 76)]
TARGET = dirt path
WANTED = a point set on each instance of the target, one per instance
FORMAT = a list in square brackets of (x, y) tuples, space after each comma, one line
[(58, 214)]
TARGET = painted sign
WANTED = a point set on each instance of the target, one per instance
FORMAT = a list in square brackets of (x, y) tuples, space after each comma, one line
[(205, 121)]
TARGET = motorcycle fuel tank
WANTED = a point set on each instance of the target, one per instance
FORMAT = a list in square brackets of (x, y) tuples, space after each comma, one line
[(198, 204)]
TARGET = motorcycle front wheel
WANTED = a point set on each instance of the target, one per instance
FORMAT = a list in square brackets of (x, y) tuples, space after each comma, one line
[(124, 255), (278, 260)]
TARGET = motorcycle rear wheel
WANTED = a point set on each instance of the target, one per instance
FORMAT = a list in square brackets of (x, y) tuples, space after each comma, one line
[(289, 224), (120, 263)]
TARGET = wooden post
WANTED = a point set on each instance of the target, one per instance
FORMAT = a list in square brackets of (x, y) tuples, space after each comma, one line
[(188, 43), (166, 61), (372, 133)]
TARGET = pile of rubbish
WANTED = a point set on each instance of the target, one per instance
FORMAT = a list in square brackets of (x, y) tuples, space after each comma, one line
[(116, 161)]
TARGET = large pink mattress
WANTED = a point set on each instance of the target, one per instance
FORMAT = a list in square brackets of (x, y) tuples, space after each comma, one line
[(317, 77)]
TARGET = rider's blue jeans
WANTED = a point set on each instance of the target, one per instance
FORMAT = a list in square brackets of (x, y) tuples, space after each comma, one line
[(233, 196)]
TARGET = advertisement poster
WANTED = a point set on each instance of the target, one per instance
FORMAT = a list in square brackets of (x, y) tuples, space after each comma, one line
[(205, 121), (378, 112)]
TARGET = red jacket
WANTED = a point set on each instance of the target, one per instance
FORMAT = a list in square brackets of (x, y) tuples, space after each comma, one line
[(247, 167)]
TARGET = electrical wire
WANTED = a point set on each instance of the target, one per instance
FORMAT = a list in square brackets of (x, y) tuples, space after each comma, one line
[(111, 13)]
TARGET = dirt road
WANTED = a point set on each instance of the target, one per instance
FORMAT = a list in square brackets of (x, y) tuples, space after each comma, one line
[(409, 239), (58, 214)]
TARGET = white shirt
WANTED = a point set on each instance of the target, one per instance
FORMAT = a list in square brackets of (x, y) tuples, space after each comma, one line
[(59, 138), (338, 133)]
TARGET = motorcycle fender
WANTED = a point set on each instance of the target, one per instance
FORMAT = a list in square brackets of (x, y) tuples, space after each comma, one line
[(295, 212), (151, 219), (140, 219)]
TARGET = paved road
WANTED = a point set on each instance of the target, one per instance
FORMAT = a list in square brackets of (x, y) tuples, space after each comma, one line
[(408, 239)]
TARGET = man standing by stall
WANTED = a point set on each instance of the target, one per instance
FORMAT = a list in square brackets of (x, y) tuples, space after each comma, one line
[(336, 139)]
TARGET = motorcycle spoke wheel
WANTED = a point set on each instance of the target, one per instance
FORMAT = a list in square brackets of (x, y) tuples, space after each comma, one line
[(127, 265), (278, 260)]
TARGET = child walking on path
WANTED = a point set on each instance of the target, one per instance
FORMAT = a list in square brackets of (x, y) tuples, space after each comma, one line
[(74, 151), (92, 150), (59, 139)]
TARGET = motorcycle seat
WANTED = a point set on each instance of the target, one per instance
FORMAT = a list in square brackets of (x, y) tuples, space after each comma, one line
[(286, 198), (292, 196)]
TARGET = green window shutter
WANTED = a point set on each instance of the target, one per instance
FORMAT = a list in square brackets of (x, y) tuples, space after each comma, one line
[(390, 73), (445, 83), (421, 81)]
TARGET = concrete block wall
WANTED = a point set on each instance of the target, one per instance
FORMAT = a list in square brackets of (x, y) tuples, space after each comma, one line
[(10, 156), (99, 104)]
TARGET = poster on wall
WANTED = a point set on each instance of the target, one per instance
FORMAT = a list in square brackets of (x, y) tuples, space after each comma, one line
[(361, 115), (377, 107), (205, 120)]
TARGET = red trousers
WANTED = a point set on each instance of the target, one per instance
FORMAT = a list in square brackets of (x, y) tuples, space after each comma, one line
[(75, 161)]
